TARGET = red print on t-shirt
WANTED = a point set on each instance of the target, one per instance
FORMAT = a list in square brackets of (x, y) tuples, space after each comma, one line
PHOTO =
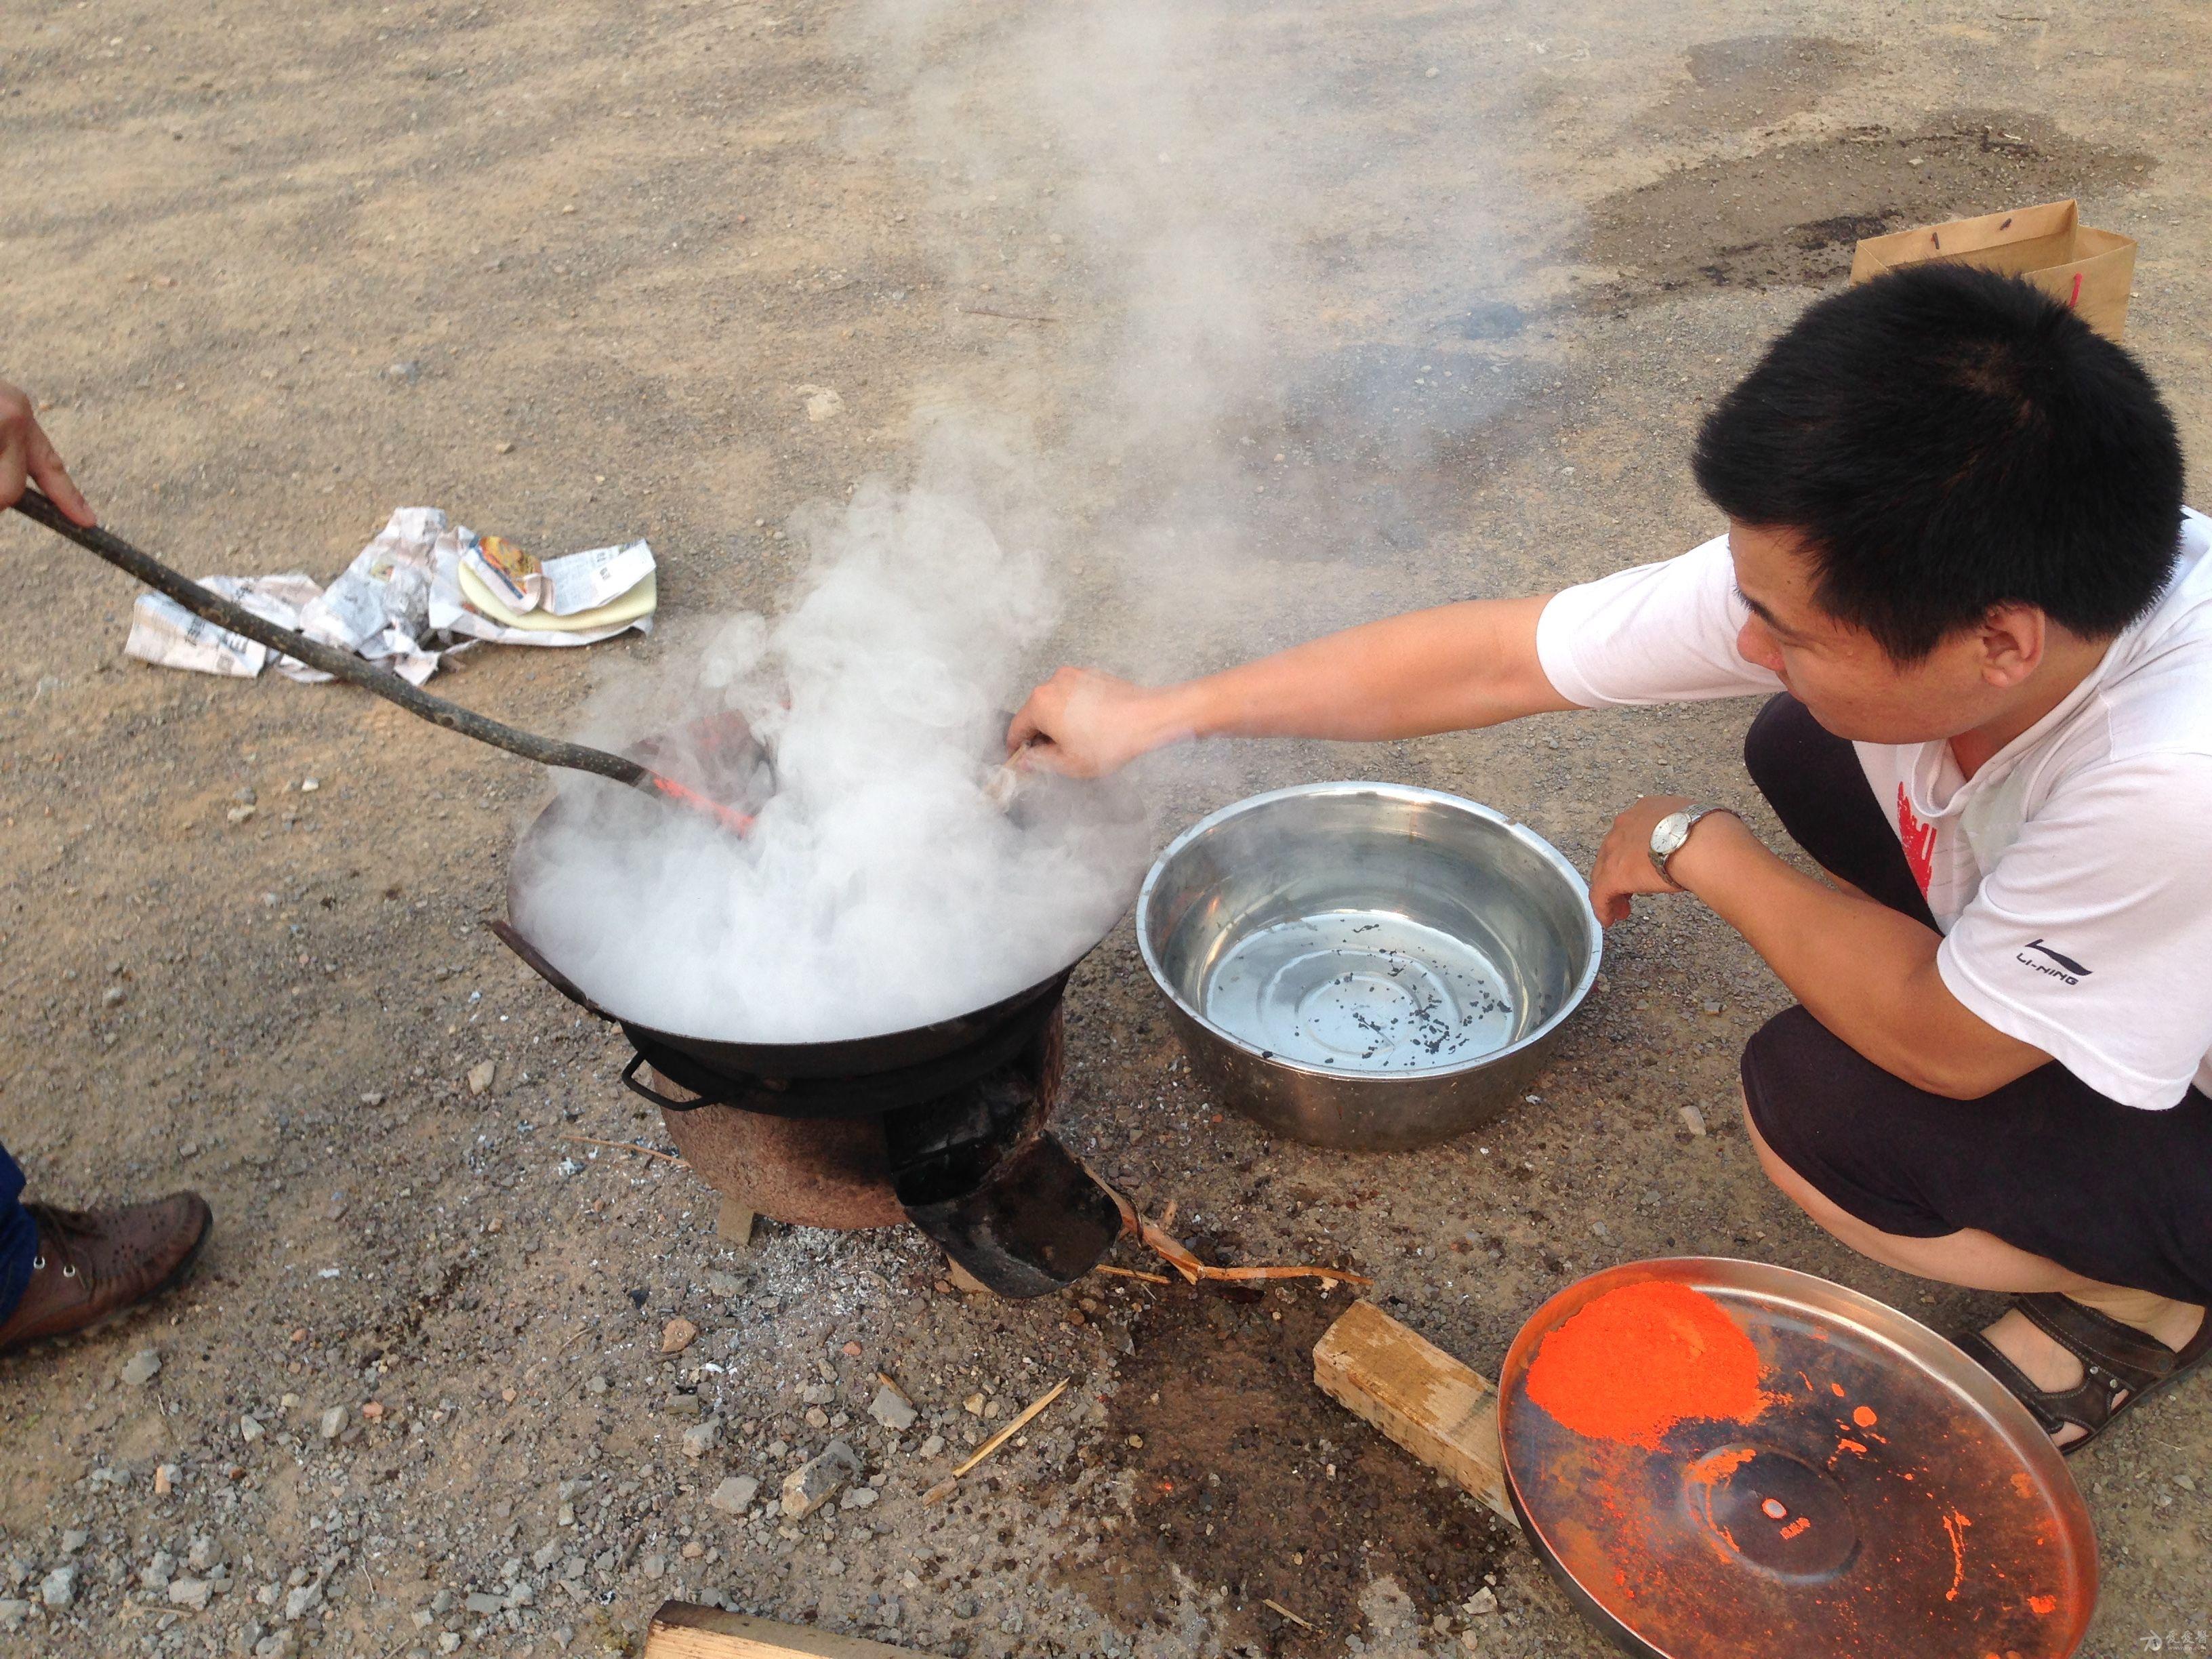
[(1919, 841)]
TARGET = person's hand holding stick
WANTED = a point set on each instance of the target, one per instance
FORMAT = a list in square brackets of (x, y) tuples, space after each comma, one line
[(28, 455)]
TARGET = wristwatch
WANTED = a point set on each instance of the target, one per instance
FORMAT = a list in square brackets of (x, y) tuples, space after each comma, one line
[(1668, 834)]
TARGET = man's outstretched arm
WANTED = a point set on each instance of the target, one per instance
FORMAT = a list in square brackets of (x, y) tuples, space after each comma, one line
[(1448, 669)]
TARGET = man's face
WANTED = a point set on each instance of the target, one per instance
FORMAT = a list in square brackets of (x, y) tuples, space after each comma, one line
[(1842, 675)]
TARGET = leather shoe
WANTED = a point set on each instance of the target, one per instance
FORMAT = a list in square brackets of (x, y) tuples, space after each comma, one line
[(92, 1264)]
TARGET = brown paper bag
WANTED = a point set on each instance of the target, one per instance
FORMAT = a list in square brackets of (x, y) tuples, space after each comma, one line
[(2091, 271)]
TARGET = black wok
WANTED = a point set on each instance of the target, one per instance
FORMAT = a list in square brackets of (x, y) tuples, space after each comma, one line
[(739, 762)]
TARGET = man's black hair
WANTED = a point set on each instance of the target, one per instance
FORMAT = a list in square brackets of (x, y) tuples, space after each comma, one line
[(1945, 440)]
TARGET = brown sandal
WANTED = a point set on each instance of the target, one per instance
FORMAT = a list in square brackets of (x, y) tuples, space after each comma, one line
[(2120, 1365)]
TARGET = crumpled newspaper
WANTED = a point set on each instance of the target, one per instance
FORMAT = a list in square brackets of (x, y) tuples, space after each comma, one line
[(403, 602)]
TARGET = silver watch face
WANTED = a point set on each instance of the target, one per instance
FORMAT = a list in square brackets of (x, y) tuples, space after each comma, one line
[(1668, 836)]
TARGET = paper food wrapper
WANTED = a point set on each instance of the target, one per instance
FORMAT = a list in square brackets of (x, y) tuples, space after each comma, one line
[(405, 603), (2093, 271)]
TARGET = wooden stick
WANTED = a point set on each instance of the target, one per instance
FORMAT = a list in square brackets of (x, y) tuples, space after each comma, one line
[(943, 1489), (210, 606), (1417, 1395), (628, 1146), (1266, 1601), (681, 1630), (1131, 1273), (1011, 316)]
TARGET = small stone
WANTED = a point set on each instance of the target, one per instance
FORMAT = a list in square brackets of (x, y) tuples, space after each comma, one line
[(1467, 1644), (504, 447), (678, 1334), (193, 1593), (406, 371), (477, 1602), (481, 1075), (114, 995), (1712, 1007), (685, 1404), (859, 1498), (652, 1567), (851, 1351), (449, 1641), (372, 1098), (333, 1423), (1482, 1603), (372, 1411), (735, 1495), (299, 1602), (815, 1481), (596, 1385), (205, 1554), (165, 1479), (965, 1606), (816, 1418), (932, 1446), (142, 1368), (14, 1610), (699, 1439), (240, 814), (693, 1550), (892, 1409), (722, 1284), (1694, 1119), (250, 1430), (972, 1405), (59, 1588), (308, 786), (156, 1573)]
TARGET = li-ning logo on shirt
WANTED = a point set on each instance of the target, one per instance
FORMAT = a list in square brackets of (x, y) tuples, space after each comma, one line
[(2066, 969)]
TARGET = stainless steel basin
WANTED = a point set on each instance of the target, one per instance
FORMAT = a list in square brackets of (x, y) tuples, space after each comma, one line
[(1366, 965)]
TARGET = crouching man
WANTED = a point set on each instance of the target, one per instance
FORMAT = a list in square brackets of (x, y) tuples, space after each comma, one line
[(1958, 563)]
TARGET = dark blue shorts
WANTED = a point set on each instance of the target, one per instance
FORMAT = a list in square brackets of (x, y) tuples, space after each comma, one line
[(2111, 1192)]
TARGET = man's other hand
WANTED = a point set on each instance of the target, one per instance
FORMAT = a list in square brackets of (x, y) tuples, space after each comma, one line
[(1087, 724), (1623, 867), (27, 452)]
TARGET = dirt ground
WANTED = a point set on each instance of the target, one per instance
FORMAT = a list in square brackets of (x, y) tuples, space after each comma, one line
[(573, 270)]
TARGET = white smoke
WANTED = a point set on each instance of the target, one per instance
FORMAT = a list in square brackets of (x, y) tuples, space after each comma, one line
[(880, 887)]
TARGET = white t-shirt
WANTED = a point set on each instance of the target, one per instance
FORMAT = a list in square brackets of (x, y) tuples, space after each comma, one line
[(2069, 876)]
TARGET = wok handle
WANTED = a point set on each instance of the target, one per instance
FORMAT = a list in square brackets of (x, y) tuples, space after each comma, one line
[(630, 1082)]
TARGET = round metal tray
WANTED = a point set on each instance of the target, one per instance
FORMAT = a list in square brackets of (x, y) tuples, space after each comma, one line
[(1892, 1499)]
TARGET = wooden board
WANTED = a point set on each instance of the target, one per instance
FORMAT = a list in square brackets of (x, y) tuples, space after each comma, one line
[(1417, 1395), (681, 1630)]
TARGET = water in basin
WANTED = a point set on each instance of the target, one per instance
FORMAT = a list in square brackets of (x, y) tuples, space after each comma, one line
[(1361, 990)]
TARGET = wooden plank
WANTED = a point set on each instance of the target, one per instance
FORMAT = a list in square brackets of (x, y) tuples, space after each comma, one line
[(1417, 1395), (682, 1630)]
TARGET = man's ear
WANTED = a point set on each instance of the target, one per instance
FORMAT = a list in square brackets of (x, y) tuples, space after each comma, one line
[(2013, 638)]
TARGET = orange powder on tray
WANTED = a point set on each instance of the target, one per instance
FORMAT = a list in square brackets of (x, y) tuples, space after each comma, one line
[(1636, 1361)]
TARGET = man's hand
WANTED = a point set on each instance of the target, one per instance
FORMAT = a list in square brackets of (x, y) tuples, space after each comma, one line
[(1624, 866), (1087, 724), (26, 452)]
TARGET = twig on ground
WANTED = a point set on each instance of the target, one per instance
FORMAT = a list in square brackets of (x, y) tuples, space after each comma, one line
[(1266, 1601), (1011, 316), (629, 1146), (1131, 1273), (943, 1489)]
